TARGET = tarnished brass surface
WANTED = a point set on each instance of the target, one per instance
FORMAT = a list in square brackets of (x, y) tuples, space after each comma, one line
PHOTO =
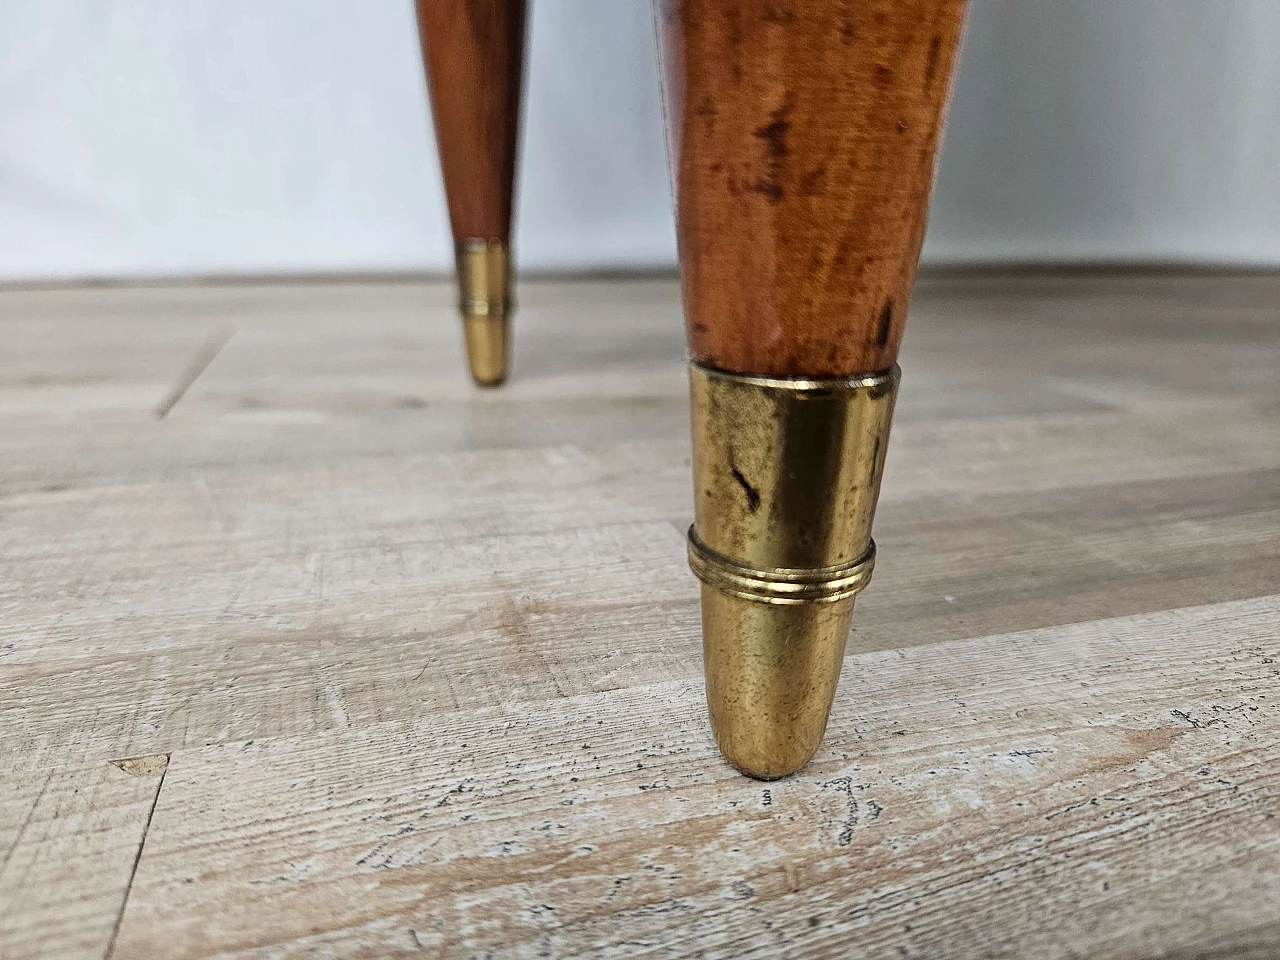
[(786, 478), (484, 286)]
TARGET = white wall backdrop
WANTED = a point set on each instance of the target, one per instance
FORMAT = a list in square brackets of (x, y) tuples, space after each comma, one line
[(195, 137)]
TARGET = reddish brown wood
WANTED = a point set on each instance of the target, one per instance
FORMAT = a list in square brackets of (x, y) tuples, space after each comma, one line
[(803, 135), (474, 51)]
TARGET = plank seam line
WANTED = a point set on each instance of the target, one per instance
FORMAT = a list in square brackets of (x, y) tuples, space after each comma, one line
[(133, 872), (191, 372)]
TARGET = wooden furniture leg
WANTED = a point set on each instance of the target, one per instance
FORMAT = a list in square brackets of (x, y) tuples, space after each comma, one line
[(802, 136), (473, 51)]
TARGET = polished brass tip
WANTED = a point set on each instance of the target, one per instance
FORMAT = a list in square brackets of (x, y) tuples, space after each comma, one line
[(488, 341), (786, 478), (771, 672), (484, 286)]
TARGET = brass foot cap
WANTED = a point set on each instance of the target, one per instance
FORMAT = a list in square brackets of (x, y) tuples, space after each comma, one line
[(484, 287), (488, 340), (772, 671), (786, 476)]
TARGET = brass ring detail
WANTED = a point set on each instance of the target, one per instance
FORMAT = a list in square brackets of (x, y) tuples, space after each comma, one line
[(882, 380), (486, 308), (484, 277), (780, 585)]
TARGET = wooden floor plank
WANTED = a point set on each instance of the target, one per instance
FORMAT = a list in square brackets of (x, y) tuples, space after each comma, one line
[(406, 622), (324, 372), (972, 799), (71, 837)]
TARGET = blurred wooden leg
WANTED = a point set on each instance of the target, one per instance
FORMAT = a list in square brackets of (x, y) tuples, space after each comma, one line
[(473, 50), (803, 135)]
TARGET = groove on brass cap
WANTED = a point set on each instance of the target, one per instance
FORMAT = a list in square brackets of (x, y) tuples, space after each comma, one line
[(786, 478), (484, 288), (784, 586)]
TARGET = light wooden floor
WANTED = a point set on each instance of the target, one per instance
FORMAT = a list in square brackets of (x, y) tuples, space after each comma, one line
[(341, 657)]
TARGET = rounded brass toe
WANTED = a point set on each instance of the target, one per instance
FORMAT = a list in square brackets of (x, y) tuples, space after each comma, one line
[(771, 672), (488, 347)]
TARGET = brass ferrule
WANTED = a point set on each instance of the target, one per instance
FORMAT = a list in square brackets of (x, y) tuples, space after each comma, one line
[(484, 287), (786, 478)]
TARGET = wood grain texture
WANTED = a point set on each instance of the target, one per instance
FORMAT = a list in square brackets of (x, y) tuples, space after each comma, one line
[(961, 806), (70, 839), (474, 54), (803, 135), (338, 585)]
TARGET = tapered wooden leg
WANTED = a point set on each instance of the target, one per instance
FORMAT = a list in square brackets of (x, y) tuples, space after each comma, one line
[(473, 50), (803, 135)]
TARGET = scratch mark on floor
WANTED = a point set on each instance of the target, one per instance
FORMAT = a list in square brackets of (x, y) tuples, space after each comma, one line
[(133, 872), (25, 823), (204, 356), (337, 707)]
